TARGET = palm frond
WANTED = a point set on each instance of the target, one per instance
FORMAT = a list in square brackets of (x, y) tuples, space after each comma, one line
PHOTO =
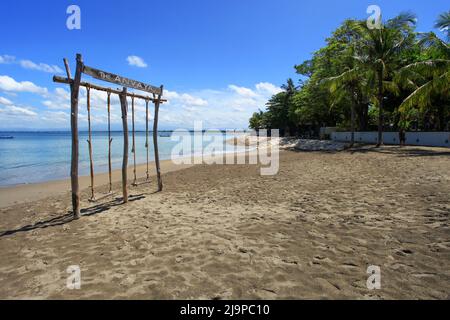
[(392, 87), (402, 20), (421, 97), (333, 83), (430, 40), (428, 68), (443, 23)]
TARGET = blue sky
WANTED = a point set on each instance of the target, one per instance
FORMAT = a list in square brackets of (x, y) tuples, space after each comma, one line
[(219, 60)]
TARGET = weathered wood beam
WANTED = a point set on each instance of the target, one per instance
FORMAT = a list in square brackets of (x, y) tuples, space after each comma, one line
[(66, 65), (59, 79), (122, 81), (74, 92), (155, 141)]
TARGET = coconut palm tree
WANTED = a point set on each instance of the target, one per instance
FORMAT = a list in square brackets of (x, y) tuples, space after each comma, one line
[(349, 85), (428, 78), (378, 51), (443, 23)]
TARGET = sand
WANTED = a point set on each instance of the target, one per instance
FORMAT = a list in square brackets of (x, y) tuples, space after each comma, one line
[(225, 232), (36, 191)]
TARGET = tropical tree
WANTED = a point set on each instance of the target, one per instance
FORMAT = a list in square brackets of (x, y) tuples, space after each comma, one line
[(278, 107), (443, 23), (379, 53), (257, 121), (348, 87), (388, 74), (429, 80)]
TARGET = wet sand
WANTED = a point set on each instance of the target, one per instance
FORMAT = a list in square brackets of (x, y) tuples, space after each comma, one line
[(226, 232)]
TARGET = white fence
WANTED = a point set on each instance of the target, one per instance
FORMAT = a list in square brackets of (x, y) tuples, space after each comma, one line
[(431, 139)]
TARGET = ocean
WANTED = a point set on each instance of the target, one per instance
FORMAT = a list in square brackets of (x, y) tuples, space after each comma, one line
[(32, 157)]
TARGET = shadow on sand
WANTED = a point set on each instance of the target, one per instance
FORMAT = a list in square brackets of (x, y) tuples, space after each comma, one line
[(406, 151), (68, 217)]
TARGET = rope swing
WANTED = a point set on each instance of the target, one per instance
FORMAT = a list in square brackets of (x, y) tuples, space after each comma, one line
[(133, 148), (89, 141), (146, 135), (109, 142), (75, 83)]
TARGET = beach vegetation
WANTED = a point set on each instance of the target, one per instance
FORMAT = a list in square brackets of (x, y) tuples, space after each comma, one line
[(367, 79)]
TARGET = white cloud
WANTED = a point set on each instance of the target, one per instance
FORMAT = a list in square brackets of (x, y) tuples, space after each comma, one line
[(12, 110), (136, 61), (242, 91), (60, 99), (28, 64), (5, 101), (6, 59), (268, 88), (9, 84), (189, 100), (56, 117), (226, 108)]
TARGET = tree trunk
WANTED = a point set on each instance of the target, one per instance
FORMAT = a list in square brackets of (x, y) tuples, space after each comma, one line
[(362, 116), (380, 108), (441, 117), (353, 126)]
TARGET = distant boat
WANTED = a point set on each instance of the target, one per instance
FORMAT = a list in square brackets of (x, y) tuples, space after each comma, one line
[(164, 134), (6, 137)]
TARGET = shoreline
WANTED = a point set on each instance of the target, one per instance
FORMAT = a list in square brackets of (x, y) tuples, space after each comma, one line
[(23, 193)]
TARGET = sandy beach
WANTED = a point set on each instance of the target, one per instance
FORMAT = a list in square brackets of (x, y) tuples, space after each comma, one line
[(226, 232)]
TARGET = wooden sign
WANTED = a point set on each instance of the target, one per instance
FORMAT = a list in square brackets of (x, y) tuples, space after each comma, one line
[(111, 77)]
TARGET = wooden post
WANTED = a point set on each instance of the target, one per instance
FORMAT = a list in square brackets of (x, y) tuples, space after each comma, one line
[(66, 65), (133, 148), (74, 92), (155, 141), (109, 142), (89, 141), (124, 107), (146, 134)]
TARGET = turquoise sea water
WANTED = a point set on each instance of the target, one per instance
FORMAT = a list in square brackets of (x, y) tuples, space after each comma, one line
[(32, 157)]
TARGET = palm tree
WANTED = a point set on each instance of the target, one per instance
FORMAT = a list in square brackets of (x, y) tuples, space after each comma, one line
[(443, 23), (349, 84), (378, 51), (431, 77), (280, 105)]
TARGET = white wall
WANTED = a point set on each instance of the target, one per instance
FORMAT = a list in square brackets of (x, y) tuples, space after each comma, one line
[(432, 139)]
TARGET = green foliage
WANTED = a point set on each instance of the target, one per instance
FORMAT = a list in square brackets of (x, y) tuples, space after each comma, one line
[(392, 71)]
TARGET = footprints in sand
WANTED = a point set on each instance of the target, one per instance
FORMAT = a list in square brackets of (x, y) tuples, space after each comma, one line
[(309, 232)]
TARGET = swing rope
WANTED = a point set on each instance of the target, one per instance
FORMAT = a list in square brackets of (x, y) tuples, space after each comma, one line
[(109, 142), (146, 134), (133, 149), (89, 141)]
